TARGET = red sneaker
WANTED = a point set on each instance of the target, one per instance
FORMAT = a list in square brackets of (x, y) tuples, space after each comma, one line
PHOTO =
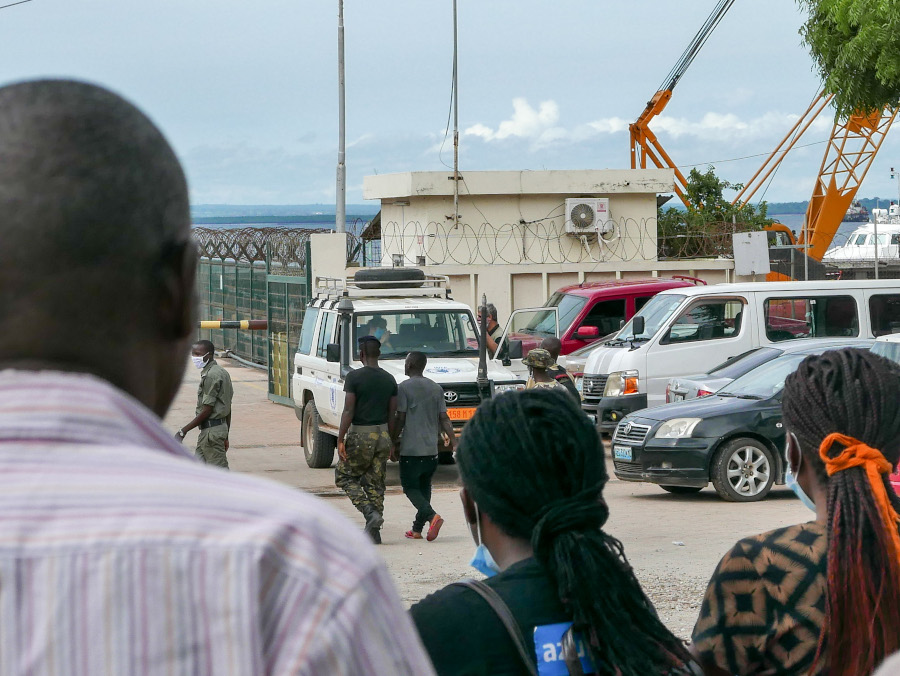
[(413, 535), (434, 528)]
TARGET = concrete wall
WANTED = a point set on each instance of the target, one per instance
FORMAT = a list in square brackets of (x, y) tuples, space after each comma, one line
[(511, 287), (511, 217)]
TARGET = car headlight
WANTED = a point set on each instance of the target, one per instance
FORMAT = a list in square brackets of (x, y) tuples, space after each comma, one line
[(677, 428), (621, 382), (499, 388)]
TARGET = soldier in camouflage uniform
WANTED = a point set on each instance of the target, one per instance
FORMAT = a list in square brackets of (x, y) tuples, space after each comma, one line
[(540, 360), (213, 406), (364, 438)]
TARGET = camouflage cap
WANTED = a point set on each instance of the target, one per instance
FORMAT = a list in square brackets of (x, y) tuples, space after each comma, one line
[(538, 358)]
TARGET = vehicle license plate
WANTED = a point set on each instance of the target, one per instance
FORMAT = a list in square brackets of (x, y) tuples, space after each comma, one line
[(460, 413), (622, 452)]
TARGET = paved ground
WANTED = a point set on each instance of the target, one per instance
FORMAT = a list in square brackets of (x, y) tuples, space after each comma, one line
[(673, 542)]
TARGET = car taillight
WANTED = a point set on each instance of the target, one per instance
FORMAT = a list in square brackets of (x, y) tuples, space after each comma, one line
[(703, 393), (668, 395)]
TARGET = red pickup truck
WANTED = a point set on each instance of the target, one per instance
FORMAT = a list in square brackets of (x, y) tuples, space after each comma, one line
[(592, 310)]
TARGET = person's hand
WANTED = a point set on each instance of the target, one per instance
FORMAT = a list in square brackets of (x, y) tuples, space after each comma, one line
[(226, 444), (342, 451), (446, 439), (395, 456), (179, 435)]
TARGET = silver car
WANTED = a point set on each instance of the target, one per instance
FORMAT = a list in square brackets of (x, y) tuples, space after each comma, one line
[(704, 384)]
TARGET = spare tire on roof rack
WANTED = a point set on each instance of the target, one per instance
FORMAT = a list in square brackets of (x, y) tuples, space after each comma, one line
[(389, 278)]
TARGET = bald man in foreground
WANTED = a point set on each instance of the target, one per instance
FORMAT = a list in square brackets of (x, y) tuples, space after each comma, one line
[(119, 553)]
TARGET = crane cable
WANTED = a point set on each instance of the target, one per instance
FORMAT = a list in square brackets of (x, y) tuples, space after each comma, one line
[(712, 21)]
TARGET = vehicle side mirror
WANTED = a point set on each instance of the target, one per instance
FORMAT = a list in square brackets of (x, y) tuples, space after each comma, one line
[(333, 352), (515, 349), (587, 332), (638, 325)]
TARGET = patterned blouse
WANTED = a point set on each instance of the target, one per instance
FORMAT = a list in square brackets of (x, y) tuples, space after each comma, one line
[(765, 604)]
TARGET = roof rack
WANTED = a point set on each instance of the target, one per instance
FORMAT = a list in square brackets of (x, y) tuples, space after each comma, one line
[(432, 286)]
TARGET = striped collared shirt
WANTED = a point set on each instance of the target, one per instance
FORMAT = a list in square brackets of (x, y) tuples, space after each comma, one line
[(119, 554)]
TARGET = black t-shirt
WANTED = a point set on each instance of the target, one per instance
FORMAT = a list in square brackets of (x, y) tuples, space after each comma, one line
[(560, 374), (373, 388), (464, 636)]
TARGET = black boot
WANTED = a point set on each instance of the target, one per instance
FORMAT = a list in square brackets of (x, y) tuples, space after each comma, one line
[(375, 534), (374, 519)]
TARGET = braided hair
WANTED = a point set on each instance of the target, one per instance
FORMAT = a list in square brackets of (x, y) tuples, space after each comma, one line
[(855, 393), (534, 463)]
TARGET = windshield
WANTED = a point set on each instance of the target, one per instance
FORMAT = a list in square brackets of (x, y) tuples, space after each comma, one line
[(764, 381), (544, 323), (744, 363), (887, 350), (655, 313), (437, 333)]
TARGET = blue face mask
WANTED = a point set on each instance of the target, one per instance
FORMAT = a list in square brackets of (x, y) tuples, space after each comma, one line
[(791, 483), (379, 332), (482, 561)]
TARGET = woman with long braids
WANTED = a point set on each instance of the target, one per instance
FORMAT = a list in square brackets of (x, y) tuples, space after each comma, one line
[(533, 471), (821, 597)]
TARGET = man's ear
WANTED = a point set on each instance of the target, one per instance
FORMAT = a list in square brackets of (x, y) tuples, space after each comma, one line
[(468, 504), (177, 307)]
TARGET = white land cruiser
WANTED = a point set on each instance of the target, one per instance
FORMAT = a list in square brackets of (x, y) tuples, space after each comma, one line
[(407, 311)]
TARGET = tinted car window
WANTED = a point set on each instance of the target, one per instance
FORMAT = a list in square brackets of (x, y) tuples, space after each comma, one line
[(307, 333), (744, 363), (707, 320), (606, 315), (821, 317), (325, 332), (884, 310)]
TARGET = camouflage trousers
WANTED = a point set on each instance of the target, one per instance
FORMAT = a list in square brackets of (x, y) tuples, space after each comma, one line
[(211, 446), (361, 475)]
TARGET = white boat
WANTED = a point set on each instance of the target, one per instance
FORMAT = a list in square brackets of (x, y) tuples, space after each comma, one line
[(860, 246)]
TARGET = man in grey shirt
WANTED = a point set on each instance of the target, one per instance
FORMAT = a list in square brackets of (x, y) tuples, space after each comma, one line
[(421, 417)]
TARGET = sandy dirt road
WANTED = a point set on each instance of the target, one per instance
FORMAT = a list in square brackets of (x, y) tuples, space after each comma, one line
[(673, 542)]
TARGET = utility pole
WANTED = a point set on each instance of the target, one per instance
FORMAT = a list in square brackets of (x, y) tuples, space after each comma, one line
[(340, 209), (455, 125)]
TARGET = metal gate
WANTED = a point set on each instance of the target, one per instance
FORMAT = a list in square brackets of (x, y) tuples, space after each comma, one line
[(287, 294)]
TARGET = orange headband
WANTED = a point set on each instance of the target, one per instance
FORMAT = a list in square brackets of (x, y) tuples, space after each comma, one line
[(858, 454)]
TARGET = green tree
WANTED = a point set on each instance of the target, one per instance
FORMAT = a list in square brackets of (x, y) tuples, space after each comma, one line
[(704, 229), (856, 47)]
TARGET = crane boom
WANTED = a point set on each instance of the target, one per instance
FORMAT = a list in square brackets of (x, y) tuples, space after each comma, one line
[(644, 144), (851, 149)]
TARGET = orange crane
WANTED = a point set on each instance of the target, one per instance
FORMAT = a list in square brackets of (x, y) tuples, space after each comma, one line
[(851, 149)]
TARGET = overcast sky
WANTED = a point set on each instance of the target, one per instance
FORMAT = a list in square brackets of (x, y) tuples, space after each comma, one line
[(247, 91)]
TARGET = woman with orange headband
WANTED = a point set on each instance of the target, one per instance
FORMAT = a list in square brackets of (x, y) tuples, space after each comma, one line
[(821, 597)]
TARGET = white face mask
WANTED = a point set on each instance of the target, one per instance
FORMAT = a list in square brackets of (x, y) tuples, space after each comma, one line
[(199, 362), (791, 481)]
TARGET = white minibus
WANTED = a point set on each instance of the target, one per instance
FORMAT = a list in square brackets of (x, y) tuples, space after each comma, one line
[(690, 330)]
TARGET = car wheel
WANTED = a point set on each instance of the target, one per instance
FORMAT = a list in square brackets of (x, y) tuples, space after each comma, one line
[(318, 447), (743, 470), (681, 490)]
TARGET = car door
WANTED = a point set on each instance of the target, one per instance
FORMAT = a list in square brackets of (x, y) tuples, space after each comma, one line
[(705, 333), (327, 384), (531, 326), (304, 358)]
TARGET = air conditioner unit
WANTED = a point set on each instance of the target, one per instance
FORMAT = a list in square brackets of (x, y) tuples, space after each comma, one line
[(587, 215)]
